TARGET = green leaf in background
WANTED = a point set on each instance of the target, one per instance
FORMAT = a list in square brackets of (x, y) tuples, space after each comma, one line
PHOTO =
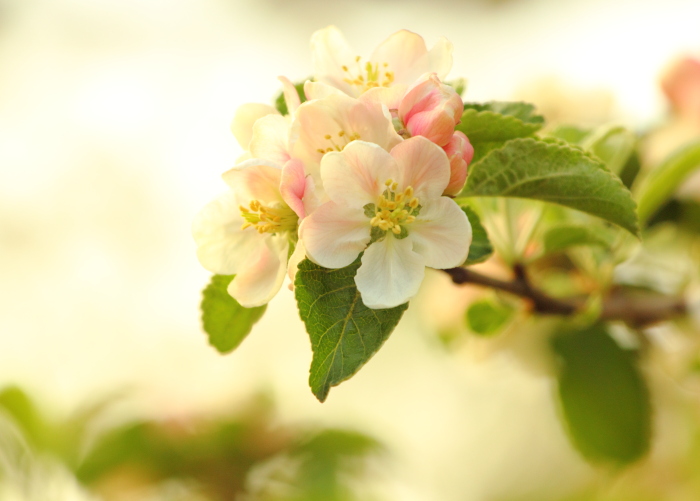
[(562, 237), (344, 332), (569, 133), (665, 180), (486, 317), (225, 321), (498, 121), (281, 104), (604, 399), (613, 144), (480, 249), (459, 85), (553, 172)]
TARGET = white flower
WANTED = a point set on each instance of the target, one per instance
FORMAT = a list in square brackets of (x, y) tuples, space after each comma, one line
[(397, 61), (248, 231), (389, 205), (329, 124)]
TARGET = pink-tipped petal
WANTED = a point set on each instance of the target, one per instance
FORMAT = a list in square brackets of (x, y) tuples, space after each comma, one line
[(255, 179), (355, 177), (334, 235), (431, 109), (423, 165), (258, 282), (460, 153), (390, 273), (293, 186), (442, 234), (270, 139)]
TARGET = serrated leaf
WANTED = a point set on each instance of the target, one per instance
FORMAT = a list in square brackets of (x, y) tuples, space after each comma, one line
[(498, 121), (486, 317), (480, 249), (562, 237), (553, 172), (666, 179), (604, 399), (344, 333), (225, 321)]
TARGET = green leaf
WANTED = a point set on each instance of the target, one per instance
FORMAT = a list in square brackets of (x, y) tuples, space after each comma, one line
[(666, 179), (613, 144), (344, 332), (518, 109), (562, 237), (553, 172), (569, 133), (486, 317), (498, 121), (480, 249), (281, 104), (459, 85), (603, 396), (225, 321)]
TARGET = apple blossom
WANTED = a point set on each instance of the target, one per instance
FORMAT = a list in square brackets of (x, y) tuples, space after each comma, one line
[(331, 123), (397, 61), (249, 230), (389, 205)]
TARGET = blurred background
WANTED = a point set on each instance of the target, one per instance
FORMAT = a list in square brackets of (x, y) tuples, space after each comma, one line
[(114, 131)]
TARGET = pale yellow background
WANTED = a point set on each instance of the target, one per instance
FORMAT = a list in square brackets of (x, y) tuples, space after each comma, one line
[(114, 130)]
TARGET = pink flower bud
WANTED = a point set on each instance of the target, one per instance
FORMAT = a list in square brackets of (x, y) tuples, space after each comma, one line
[(431, 109), (460, 153), (681, 84)]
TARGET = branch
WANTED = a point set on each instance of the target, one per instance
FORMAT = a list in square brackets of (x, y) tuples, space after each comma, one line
[(637, 310)]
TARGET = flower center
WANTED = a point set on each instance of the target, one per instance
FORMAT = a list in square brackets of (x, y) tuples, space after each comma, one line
[(338, 143), (273, 218), (394, 211), (369, 76)]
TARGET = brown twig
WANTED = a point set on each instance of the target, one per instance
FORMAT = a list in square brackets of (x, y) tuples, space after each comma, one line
[(637, 310)]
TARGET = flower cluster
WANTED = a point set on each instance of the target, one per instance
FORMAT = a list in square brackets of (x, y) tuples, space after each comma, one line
[(366, 165)]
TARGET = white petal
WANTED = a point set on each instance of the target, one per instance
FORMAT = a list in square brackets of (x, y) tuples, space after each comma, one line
[(270, 139), (335, 235), (255, 179), (441, 234), (387, 96), (246, 115), (423, 165), (329, 53), (355, 177), (258, 282), (319, 90), (406, 55), (390, 274), (440, 58), (222, 246), (291, 96)]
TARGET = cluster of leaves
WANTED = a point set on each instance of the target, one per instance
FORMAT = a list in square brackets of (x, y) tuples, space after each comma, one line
[(236, 455), (603, 395)]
